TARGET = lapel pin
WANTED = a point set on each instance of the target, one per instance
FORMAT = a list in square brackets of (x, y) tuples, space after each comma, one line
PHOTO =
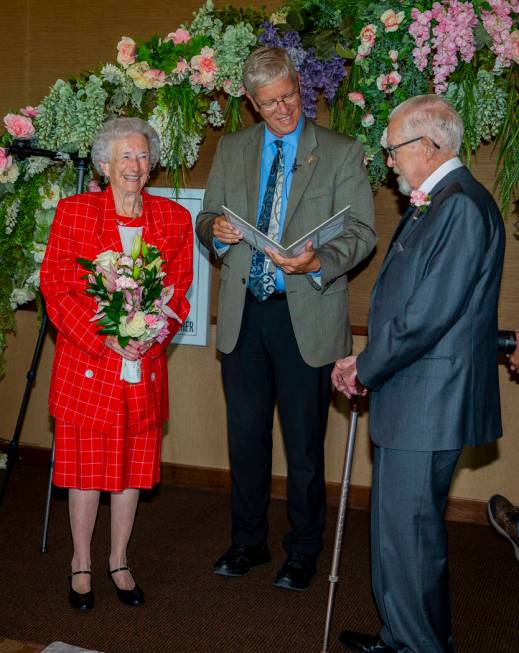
[(311, 159)]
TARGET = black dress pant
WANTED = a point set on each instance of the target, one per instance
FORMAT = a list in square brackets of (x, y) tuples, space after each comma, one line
[(266, 367)]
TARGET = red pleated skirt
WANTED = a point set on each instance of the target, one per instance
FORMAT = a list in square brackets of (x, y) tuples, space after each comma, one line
[(115, 461)]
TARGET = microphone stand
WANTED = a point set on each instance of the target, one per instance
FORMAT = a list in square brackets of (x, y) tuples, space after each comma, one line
[(22, 150)]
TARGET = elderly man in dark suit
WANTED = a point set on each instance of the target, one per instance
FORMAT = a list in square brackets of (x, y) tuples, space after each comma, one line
[(282, 322), (431, 367)]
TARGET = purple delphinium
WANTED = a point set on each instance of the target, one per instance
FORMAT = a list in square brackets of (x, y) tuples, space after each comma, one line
[(315, 73)]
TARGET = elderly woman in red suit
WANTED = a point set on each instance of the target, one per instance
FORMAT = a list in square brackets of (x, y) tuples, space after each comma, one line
[(108, 431)]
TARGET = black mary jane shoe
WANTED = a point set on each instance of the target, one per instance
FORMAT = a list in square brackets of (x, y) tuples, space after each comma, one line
[(133, 597), (82, 602)]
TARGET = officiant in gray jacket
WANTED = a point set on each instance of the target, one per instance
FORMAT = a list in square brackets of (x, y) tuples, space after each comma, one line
[(282, 321)]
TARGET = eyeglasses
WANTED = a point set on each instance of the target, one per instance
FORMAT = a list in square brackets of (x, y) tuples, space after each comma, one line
[(390, 149), (288, 98)]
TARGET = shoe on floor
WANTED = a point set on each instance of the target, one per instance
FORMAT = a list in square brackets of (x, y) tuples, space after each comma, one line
[(238, 560), (504, 517), (361, 643), (296, 573)]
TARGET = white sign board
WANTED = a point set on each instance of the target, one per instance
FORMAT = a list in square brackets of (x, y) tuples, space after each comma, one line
[(195, 329)]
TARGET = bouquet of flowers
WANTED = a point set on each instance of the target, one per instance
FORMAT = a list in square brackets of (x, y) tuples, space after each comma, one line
[(132, 301)]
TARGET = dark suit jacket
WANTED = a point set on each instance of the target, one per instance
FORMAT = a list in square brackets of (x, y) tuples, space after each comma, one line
[(431, 358), (331, 175)]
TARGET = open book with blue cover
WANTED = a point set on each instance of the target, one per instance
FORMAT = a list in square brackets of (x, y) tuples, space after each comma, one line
[(328, 230)]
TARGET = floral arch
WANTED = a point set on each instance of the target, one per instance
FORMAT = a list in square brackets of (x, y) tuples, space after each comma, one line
[(365, 57)]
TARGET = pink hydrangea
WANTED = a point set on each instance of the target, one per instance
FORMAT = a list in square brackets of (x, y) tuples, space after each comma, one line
[(126, 51), (19, 126), (498, 23), (178, 36)]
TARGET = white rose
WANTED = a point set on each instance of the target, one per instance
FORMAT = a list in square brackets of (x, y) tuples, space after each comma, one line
[(10, 175), (105, 259), (21, 296), (135, 327)]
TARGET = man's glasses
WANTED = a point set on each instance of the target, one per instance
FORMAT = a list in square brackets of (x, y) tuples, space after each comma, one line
[(288, 99), (390, 149)]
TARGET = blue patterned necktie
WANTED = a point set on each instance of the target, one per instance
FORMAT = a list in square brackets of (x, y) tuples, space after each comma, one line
[(262, 272)]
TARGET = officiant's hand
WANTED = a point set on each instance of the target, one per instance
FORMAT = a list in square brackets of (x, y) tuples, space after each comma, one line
[(225, 232), (303, 263), (131, 352)]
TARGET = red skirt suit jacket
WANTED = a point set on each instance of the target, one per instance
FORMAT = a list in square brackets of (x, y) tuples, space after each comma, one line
[(85, 386)]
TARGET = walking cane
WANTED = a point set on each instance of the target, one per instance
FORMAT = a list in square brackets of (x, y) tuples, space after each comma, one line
[(341, 517)]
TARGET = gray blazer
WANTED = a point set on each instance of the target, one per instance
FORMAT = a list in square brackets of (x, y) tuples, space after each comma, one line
[(431, 358), (330, 176)]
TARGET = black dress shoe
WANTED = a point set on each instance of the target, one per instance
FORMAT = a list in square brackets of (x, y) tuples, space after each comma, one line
[(361, 643), (82, 602), (238, 560), (296, 572), (134, 597)]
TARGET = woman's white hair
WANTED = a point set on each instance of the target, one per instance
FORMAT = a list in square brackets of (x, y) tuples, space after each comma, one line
[(117, 128), (432, 116), (264, 65)]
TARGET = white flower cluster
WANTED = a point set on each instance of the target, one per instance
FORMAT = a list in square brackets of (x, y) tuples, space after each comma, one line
[(215, 115), (11, 214), (178, 146), (204, 23), (36, 164), (490, 107), (68, 119)]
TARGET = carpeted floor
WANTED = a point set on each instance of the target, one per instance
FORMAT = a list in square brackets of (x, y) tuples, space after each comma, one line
[(178, 535)]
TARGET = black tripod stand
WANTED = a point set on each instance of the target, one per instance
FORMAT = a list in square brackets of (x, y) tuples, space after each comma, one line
[(22, 150)]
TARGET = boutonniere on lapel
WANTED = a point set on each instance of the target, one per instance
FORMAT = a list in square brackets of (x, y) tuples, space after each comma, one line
[(420, 201)]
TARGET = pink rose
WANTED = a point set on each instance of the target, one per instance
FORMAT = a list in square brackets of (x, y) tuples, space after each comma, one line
[(357, 99), (156, 77), (391, 20), (6, 160), (367, 120), (367, 35), (19, 126), (393, 55), (514, 37), (29, 112), (178, 36), (93, 186), (126, 51), (151, 320)]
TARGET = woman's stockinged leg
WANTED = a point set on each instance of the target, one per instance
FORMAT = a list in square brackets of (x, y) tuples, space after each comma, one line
[(83, 505), (124, 506)]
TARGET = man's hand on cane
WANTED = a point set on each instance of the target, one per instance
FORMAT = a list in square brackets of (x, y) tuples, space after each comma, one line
[(344, 377)]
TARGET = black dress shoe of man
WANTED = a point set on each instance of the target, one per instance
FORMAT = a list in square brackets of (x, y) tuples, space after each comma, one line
[(238, 560), (296, 572), (361, 643)]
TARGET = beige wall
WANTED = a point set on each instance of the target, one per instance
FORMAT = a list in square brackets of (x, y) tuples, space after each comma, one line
[(70, 36), (196, 433)]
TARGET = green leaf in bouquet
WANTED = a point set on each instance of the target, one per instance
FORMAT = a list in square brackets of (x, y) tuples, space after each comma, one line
[(108, 331), (85, 263), (123, 340)]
